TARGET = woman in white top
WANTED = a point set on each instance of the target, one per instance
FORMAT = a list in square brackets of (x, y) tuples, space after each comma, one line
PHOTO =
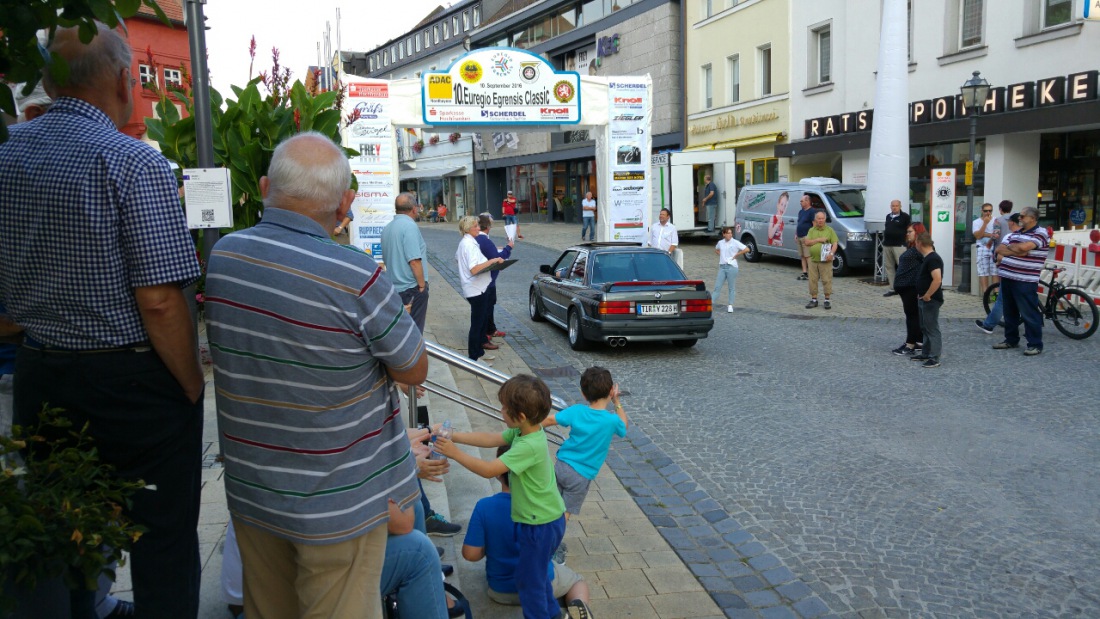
[(475, 281), (728, 250)]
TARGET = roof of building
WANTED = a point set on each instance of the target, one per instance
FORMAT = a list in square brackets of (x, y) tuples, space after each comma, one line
[(172, 8)]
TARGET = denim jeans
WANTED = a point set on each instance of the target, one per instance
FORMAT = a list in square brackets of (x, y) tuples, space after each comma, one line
[(996, 313), (727, 273), (510, 219), (412, 573), (712, 209), (1021, 304), (930, 325), (588, 223)]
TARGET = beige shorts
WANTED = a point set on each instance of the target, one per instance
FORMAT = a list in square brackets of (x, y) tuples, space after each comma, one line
[(564, 579), (803, 251)]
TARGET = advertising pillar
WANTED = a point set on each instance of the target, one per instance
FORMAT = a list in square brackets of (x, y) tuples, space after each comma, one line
[(375, 168)]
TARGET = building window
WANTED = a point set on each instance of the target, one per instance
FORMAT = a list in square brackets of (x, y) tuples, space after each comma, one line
[(970, 23), (417, 39), (465, 21), (435, 33), (733, 67), (764, 69), (172, 77), (765, 170), (454, 25), (386, 59), (707, 83), (1056, 12), (708, 8), (146, 74), (821, 55), (370, 63), (400, 52), (477, 16), (409, 46), (446, 31)]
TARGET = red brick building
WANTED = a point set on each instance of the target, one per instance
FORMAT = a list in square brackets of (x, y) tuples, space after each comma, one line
[(161, 55)]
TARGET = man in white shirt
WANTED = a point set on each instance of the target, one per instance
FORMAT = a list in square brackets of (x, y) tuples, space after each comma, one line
[(588, 216), (984, 246), (662, 235)]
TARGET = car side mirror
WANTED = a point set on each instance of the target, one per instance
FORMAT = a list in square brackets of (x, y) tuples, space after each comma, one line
[(544, 269)]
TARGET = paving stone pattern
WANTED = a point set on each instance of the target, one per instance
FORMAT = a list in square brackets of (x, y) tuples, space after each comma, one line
[(801, 470)]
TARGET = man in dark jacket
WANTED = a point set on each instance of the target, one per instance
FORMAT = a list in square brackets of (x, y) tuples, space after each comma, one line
[(805, 222), (893, 241)]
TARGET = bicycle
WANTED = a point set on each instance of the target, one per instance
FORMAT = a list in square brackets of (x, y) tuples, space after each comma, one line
[(1072, 311)]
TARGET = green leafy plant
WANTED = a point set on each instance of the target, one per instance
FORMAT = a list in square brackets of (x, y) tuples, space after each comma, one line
[(23, 56), (60, 507), (246, 129)]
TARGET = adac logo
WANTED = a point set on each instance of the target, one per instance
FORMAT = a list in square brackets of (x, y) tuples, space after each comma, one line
[(564, 92), (529, 71), (439, 86), (501, 65), (471, 71)]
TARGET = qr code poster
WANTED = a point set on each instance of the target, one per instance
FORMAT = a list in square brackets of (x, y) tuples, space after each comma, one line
[(206, 198)]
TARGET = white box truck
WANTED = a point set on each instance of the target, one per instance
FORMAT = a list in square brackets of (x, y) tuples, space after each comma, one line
[(677, 183)]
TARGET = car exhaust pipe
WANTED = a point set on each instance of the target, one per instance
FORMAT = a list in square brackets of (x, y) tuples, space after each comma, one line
[(622, 342), (613, 342)]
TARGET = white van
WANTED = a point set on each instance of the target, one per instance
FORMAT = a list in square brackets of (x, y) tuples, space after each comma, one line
[(767, 219)]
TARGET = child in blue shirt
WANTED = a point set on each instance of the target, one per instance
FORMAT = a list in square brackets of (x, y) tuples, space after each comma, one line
[(591, 428), (537, 508)]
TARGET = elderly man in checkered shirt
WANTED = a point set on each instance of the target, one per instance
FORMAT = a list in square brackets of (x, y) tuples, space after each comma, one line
[(109, 338)]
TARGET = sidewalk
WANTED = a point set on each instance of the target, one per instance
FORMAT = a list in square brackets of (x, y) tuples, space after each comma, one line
[(630, 568)]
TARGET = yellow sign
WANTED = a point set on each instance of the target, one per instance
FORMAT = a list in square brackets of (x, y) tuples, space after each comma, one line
[(969, 173), (439, 87)]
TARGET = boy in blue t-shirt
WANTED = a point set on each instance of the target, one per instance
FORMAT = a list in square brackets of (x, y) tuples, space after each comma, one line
[(591, 429), (490, 536), (537, 508)]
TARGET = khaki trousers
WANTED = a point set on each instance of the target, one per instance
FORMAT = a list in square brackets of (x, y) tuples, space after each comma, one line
[(290, 580), (821, 271), (890, 257)]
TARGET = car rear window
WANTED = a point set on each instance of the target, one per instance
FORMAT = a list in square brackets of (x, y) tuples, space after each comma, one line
[(847, 202), (627, 267)]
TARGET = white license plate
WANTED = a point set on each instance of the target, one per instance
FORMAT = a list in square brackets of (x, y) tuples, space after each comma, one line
[(658, 309)]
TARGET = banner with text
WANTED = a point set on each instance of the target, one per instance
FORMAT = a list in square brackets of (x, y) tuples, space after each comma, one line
[(943, 219), (501, 86), (375, 168), (626, 150)]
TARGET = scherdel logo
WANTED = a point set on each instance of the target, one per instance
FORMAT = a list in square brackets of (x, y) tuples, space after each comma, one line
[(501, 114), (628, 99), (554, 110), (622, 85)]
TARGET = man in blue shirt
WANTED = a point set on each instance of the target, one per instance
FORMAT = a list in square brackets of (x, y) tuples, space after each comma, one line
[(404, 251), (490, 251), (109, 337)]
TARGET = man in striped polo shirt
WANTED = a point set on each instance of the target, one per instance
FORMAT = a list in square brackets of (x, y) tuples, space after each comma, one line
[(1022, 255), (308, 337)]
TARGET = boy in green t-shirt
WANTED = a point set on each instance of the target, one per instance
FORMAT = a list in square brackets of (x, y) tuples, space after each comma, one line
[(537, 506)]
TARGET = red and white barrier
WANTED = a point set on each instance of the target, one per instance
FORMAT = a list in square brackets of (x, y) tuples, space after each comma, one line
[(1078, 252)]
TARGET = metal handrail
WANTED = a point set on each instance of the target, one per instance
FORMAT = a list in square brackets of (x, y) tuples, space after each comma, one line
[(479, 370)]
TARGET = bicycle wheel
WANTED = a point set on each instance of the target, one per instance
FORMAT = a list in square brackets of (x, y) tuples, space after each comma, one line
[(1074, 313), (990, 297)]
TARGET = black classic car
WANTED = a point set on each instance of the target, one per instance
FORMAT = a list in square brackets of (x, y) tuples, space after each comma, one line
[(619, 293)]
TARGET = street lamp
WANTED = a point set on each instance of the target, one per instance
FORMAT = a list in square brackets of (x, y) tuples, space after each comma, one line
[(974, 94), (485, 176)]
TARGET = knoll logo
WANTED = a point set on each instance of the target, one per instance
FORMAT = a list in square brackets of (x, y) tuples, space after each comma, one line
[(628, 99), (554, 110)]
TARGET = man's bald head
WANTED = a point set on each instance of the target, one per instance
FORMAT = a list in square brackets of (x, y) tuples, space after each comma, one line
[(310, 175), (95, 71), (404, 203)]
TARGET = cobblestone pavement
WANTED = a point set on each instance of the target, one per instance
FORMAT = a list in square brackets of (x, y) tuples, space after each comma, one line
[(800, 469)]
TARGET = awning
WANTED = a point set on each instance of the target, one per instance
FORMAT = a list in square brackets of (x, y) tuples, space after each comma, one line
[(767, 138), (411, 175), (699, 147)]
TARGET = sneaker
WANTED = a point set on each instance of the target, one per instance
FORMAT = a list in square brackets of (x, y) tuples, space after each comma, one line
[(729, 309), (447, 569), (438, 526), (1004, 346), (439, 549), (920, 357), (981, 327), (1031, 351), (577, 609), (488, 358), (903, 351), (931, 363), (803, 277), (812, 304), (828, 305), (560, 554), (889, 293), (499, 334)]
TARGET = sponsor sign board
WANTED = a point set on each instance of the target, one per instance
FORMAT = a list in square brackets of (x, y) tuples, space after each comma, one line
[(372, 136)]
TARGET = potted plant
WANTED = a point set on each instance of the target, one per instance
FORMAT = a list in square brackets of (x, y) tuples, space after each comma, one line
[(454, 137), (418, 146), (433, 140), (60, 510)]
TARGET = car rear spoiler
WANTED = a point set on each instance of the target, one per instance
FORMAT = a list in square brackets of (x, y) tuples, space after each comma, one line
[(698, 283)]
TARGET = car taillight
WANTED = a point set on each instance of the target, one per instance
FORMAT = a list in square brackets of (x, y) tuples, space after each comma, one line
[(695, 305), (616, 307)]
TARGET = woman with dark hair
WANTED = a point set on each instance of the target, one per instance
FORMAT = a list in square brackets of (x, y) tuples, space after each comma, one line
[(905, 284)]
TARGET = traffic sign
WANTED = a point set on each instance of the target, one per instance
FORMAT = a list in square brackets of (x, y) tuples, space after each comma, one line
[(969, 179)]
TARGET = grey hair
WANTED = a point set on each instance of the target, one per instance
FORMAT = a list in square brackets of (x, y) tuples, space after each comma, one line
[(468, 223), (405, 205), (104, 57), (320, 181), (1031, 211)]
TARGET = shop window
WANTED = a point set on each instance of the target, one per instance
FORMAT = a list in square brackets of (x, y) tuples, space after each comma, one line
[(146, 74), (765, 170), (740, 178), (764, 69), (1057, 12), (706, 83), (172, 77), (733, 69)]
